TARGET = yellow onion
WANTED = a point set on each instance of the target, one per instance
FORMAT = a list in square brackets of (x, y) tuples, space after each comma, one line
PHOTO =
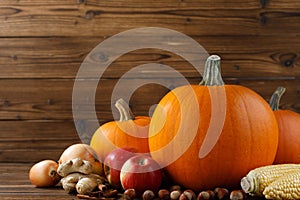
[(85, 152), (44, 173)]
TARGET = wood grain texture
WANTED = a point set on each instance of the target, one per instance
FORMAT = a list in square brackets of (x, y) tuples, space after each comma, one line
[(44, 43), (61, 57), (33, 141), (20, 102), (111, 17), (15, 185)]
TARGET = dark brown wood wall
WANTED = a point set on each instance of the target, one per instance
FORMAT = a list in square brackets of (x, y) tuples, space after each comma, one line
[(43, 43)]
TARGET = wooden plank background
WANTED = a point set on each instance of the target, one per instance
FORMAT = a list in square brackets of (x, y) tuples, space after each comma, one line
[(43, 43)]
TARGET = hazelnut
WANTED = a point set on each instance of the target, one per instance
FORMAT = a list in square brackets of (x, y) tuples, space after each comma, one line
[(187, 195), (221, 193), (148, 195), (129, 194), (175, 187), (174, 195), (237, 195), (206, 195), (183, 197), (190, 194), (164, 194)]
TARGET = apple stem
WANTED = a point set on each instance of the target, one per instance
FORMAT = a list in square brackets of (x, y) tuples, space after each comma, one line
[(141, 162), (124, 110)]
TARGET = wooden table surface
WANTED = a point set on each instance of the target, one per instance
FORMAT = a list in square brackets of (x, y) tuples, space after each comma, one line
[(15, 185)]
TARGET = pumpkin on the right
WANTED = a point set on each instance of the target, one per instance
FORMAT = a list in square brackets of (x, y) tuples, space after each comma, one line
[(289, 131), (211, 135)]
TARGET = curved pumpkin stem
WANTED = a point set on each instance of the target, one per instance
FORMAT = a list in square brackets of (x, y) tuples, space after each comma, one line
[(212, 71), (124, 110), (275, 99)]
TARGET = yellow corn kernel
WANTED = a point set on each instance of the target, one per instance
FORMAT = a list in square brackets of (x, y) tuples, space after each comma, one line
[(286, 187), (258, 179)]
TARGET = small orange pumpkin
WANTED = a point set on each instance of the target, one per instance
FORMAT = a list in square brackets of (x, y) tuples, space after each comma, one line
[(128, 132), (289, 131), (210, 135)]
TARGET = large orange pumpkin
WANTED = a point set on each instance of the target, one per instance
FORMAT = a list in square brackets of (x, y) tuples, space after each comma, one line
[(210, 135), (289, 131), (128, 132)]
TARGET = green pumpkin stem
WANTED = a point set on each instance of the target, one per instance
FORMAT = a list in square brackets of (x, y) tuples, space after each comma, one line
[(124, 110), (275, 98), (212, 72)]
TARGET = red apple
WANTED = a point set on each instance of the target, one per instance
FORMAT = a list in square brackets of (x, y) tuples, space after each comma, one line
[(142, 173), (113, 163)]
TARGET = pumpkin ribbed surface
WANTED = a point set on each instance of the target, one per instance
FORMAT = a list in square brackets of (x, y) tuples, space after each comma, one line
[(248, 137)]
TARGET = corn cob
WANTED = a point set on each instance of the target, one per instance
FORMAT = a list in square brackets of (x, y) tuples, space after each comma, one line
[(286, 187), (258, 179)]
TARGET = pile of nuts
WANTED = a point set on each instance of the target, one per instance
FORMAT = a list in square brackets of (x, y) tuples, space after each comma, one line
[(174, 193)]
